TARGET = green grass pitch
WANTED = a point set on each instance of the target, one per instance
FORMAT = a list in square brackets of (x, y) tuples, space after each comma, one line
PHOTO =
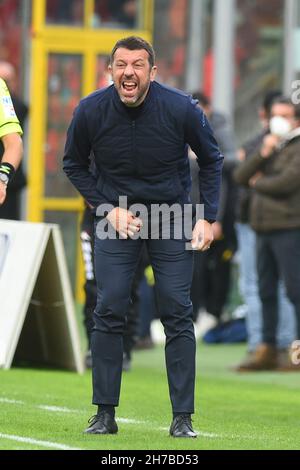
[(49, 409)]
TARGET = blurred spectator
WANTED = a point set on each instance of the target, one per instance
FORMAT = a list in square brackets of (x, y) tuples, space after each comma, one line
[(171, 37), (65, 12), (247, 248), (64, 91), (274, 174), (116, 13), (124, 12), (87, 248), (10, 32), (212, 269), (11, 207)]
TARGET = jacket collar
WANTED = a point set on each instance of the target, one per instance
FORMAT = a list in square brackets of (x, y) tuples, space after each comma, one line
[(294, 134)]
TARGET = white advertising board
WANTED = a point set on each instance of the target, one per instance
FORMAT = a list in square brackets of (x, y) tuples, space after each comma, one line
[(37, 315)]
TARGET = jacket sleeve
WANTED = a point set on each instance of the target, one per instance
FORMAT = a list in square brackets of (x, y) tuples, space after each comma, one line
[(245, 170), (281, 184), (76, 161), (199, 136), (9, 123)]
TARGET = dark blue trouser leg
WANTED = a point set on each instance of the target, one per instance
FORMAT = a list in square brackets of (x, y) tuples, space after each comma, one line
[(286, 248), (173, 270), (115, 264), (278, 255), (268, 277)]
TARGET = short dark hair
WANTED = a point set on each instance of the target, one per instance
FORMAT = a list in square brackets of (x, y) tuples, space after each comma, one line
[(282, 100), (134, 43), (269, 99)]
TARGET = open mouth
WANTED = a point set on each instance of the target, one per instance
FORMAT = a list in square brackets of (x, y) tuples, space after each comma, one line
[(129, 87)]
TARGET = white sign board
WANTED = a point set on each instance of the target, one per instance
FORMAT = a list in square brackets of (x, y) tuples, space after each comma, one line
[(37, 316)]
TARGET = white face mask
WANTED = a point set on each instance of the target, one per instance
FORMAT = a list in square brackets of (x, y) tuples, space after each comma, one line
[(280, 126)]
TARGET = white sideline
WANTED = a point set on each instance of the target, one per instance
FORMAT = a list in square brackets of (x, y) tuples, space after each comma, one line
[(199, 433), (60, 409), (37, 442), (13, 402), (56, 409)]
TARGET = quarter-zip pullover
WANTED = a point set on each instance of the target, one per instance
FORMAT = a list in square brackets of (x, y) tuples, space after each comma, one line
[(141, 152)]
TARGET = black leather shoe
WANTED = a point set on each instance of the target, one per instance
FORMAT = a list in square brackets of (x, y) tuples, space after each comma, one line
[(182, 426), (103, 423)]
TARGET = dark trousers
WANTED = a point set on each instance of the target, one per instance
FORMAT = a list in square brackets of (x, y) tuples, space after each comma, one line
[(116, 261), (11, 208), (90, 287), (278, 256)]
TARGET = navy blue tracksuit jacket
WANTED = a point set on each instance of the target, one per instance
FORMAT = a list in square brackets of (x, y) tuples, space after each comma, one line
[(143, 157), (141, 153)]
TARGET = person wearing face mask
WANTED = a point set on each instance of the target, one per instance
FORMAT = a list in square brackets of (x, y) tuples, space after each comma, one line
[(248, 281), (274, 174)]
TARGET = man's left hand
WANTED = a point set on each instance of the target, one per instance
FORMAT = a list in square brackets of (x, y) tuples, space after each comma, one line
[(202, 235), (2, 192)]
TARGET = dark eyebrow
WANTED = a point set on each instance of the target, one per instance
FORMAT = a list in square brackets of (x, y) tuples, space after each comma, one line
[(122, 61)]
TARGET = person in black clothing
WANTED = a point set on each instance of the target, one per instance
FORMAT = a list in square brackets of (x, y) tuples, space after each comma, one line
[(11, 207), (212, 269), (90, 287), (138, 132)]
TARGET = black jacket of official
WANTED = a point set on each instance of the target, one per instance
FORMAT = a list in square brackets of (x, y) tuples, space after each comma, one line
[(142, 153)]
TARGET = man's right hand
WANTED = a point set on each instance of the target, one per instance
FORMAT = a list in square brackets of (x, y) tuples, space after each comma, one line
[(2, 192), (124, 222), (203, 235), (269, 144)]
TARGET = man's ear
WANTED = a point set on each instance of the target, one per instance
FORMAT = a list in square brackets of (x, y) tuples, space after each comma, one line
[(153, 73)]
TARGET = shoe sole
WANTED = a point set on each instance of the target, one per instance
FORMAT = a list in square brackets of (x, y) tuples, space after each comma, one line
[(101, 433)]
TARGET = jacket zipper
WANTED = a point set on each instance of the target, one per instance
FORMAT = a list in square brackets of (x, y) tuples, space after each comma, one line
[(134, 147)]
